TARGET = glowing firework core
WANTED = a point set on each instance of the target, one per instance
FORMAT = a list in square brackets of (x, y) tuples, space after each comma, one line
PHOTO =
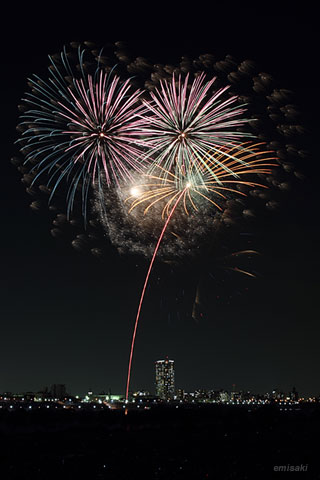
[(135, 192), (182, 136)]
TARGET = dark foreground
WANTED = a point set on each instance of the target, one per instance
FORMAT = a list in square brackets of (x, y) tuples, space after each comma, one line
[(210, 442)]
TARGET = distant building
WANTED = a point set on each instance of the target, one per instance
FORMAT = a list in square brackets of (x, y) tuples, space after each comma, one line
[(58, 390), (235, 396), (224, 396), (294, 395), (277, 395), (181, 394), (141, 393), (201, 395), (101, 397), (246, 396), (214, 395), (165, 379)]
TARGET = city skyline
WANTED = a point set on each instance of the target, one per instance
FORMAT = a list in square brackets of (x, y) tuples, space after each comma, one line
[(60, 395), (164, 386)]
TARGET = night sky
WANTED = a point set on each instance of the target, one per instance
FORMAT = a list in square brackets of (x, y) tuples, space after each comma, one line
[(68, 318)]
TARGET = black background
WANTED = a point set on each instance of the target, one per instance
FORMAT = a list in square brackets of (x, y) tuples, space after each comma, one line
[(66, 318)]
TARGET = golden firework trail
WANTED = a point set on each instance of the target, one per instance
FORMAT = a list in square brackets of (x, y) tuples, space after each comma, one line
[(215, 182)]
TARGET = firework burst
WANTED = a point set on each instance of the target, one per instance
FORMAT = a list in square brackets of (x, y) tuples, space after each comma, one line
[(82, 128), (186, 123)]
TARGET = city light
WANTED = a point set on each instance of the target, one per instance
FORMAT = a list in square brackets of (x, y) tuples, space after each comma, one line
[(166, 394)]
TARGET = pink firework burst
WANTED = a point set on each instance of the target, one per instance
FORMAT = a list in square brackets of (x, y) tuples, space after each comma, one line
[(104, 125), (188, 122), (82, 130)]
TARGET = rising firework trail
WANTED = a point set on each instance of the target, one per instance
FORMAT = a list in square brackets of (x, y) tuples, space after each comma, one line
[(171, 189), (145, 286)]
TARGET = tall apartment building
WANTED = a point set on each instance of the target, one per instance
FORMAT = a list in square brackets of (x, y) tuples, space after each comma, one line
[(165, 378)]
